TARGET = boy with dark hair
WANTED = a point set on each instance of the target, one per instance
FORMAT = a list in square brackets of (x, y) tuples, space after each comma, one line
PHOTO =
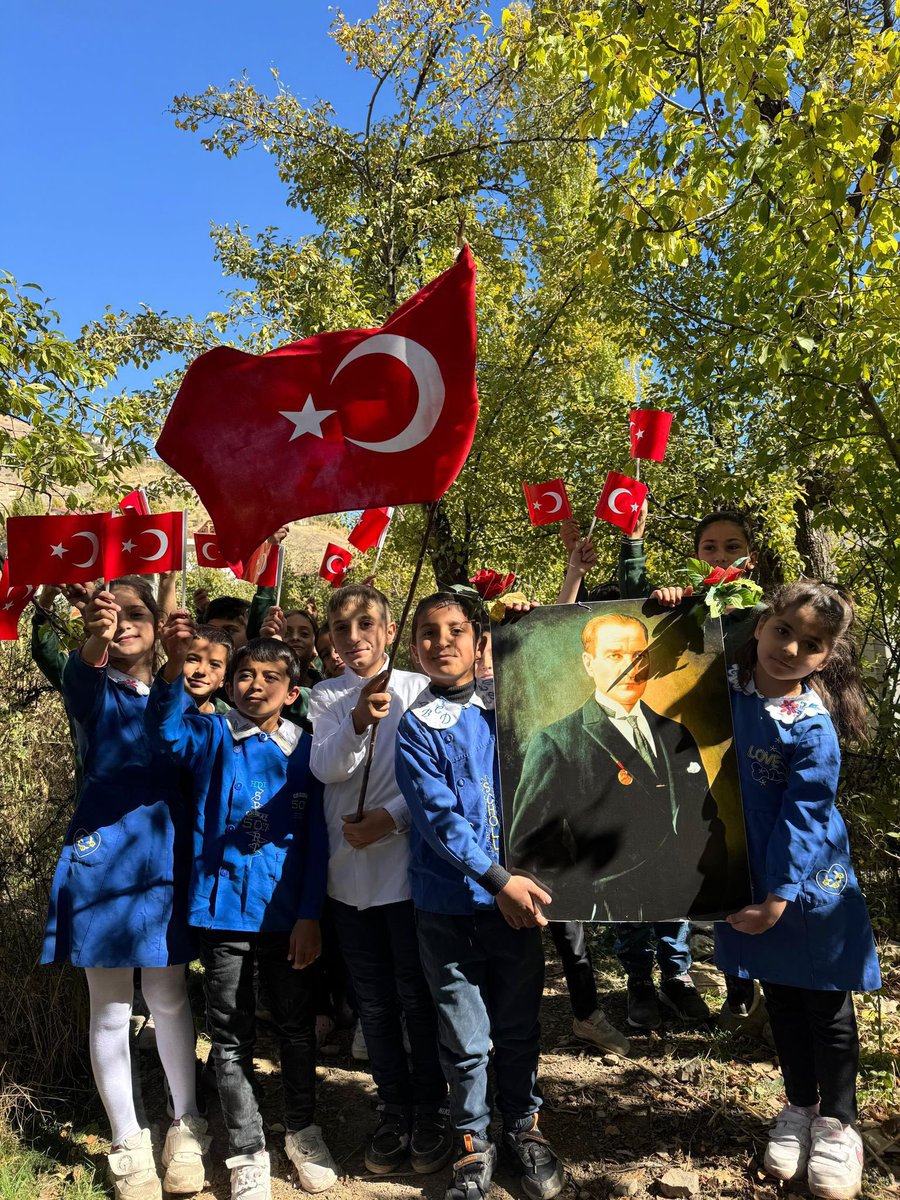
[(368, 882), (479, 925), (205, 668), (256, 890), (231, 614), (332, 663)]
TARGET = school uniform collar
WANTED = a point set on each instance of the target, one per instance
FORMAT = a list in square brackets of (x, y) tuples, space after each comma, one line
[(359, 681), (787, 710), (437, 712), (134, 685), (286, 737)]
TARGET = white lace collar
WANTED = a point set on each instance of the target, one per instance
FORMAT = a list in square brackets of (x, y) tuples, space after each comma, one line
[(129, 681), (437, 712), (785, 709)]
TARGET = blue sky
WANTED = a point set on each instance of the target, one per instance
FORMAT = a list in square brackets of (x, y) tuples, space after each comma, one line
[(105, 202)]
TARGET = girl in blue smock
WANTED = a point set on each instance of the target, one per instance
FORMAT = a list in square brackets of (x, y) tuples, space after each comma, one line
[(806, 935), (119, 896)]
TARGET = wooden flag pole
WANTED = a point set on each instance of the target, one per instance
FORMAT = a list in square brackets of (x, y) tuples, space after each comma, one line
[(279, 574), (370, 750)]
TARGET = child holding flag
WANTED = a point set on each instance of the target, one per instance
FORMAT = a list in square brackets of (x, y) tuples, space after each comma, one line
[(119, 896)]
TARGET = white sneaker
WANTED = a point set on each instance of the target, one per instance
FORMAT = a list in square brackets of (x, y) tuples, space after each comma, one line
[(597, 1030), (182, 1156), (132, 1169), (789, 1140), (250, 1176), (306, 1149), (358, 1050), (835, 1163)]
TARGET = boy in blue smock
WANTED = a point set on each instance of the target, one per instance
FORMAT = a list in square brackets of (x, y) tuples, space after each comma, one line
[(256, 890), (478, 925)]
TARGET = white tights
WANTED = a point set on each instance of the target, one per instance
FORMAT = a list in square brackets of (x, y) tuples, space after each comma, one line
[(112, 992)]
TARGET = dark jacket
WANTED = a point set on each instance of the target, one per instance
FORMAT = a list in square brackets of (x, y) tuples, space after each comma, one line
[(575, 815)]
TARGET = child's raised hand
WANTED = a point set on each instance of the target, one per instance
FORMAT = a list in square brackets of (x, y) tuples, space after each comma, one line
[(201, 601), (305, 944), (278, 536), (521, 900), (582, 557), (176, 636), (101, 616), (671, 597), (757, 918), (77, 595), (569, 532), (638, 531), (275, 624), (373, 705)]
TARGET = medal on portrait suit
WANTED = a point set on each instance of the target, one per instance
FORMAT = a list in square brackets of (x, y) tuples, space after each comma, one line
[(623, 775)]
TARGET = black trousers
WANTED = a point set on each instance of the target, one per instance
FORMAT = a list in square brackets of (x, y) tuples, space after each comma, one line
[(818, 1047), (568, 938), (229, 960), (381, 950)]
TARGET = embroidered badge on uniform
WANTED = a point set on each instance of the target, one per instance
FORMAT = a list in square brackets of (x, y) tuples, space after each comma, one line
[(833, 880), (86, 843)]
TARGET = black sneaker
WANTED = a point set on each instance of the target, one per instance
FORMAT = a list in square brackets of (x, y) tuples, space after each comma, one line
[(643, 1005), (389, 1146), (542, 1172), (431, 1145), (740, 995), (473, 1169), (680, 994)]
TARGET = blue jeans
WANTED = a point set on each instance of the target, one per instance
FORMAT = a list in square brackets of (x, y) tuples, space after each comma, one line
[(381, 950), (487, 981), (228, 960), (634, 949)]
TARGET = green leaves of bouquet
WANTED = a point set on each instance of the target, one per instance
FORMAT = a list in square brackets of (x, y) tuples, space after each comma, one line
[(722, 588)]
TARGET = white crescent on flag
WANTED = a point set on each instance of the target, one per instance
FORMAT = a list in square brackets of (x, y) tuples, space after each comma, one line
[(611, 500), (329, 564), (95, 549), (423, 367), (205, 548), (163, 539), (559, 502)]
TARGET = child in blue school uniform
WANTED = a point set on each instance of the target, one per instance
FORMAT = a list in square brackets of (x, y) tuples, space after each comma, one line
[(119, 896), (257, 884), (478, 925), (806, 935)]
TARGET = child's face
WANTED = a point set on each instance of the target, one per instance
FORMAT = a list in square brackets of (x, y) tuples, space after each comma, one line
[(361, 636), (332, 663), (300, 637), (260, 690), (232, 626), (444, 646), (204, 669), (135, 634), (790, 646), (722, 543)]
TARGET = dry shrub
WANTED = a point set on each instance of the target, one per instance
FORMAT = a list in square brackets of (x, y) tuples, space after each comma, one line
[(43, 1035)]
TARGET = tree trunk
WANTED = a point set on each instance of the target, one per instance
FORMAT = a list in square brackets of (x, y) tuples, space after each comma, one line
[(449, 555), (816, 545)]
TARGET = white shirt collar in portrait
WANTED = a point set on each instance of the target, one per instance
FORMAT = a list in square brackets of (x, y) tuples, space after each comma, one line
[(620, 715)]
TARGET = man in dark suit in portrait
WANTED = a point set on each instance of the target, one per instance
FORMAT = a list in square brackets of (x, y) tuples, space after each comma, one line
[(613, 799)]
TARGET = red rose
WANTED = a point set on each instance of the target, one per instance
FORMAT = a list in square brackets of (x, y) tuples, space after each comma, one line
[(732, 573), (489, 584)]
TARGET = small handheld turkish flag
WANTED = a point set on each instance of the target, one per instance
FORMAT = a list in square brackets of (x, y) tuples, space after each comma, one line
[(649, 431), (136, 501), (370, 528), (547, 502), (335, 562), (142, 544), (620, 501), (58, 549), (339, 421), (12, 604), (208, 554)]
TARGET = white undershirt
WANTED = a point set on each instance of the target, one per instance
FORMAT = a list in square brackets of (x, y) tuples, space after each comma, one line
[(620, 715)]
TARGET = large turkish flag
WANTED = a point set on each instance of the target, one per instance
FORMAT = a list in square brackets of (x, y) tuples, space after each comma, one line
[(361, 418)]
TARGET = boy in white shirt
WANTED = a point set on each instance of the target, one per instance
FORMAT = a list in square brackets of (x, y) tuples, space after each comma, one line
[(368, 881)]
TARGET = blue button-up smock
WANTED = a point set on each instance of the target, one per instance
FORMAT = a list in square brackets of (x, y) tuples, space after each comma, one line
[(260, 848), (119, 894), (446, 766), (789, 762)]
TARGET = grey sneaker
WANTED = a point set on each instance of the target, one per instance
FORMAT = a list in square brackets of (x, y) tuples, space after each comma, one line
[(316, 1169), (597, 1030)]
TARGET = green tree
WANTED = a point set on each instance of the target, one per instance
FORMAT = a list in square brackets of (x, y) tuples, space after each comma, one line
[(448, 148)]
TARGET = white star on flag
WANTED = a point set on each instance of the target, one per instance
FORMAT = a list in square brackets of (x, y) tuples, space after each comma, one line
[(57, 551), (634, 507), (309, 419), (638, 433), (128, 546)]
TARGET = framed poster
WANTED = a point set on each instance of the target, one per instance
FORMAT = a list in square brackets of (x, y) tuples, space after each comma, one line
[(620, 784)]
